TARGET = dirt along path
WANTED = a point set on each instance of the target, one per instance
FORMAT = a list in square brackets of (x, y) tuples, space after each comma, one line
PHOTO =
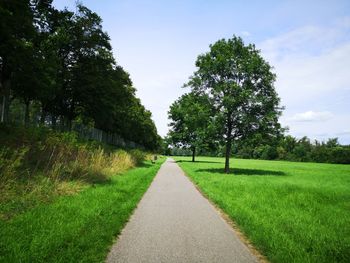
[(175, 223)]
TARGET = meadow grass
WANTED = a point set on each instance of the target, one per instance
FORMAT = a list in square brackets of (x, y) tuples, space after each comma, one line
[(290, 211), (76, 228)]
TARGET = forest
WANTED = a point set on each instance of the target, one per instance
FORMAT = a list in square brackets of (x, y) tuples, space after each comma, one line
[(57, 70)]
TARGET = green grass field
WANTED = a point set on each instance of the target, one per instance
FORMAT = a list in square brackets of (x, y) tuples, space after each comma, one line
[(291, 212), (77, 228)]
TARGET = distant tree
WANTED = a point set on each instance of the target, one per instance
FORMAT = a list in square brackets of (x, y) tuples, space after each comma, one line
[(302, 150), (166, 145), (289, 143), (332, 142), (258, 145), (239, 84), (190, 122)]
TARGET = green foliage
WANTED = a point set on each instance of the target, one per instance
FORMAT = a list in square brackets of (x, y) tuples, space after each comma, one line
[(62, 63), (190, 125), (291, 212), (239, 86), (339, 154), (138, 156)]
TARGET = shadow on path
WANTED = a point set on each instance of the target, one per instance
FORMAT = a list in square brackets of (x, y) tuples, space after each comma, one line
[(241, 171)]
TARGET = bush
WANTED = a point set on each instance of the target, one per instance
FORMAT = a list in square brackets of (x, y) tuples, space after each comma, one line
[(138, 156), (269, 153)]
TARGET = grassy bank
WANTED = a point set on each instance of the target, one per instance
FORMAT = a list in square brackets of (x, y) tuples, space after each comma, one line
[(77, 228), (292, 212), (38, 165)]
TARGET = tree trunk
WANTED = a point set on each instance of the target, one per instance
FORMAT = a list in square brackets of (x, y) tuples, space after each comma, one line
[(3, 108), (53, 121), (193, 153), (5, 112), (42, 116), (227, 155), (26, 114), (228, 144)]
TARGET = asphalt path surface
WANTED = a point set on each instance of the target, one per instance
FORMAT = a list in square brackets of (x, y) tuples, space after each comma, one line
[(175, 223)]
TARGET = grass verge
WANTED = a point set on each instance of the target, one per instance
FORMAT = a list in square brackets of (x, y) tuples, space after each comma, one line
[(291, 212), (76, 228)]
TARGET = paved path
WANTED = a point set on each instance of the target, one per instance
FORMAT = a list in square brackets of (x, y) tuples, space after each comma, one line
[(175, 223)]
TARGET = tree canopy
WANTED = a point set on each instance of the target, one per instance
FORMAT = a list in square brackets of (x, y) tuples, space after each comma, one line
[(190, 122), (239, 85)]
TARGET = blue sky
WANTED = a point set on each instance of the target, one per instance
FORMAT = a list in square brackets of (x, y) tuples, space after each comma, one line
[(307, 42)]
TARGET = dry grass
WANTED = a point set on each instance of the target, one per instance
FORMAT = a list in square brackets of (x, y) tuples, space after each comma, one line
[(37, 166)]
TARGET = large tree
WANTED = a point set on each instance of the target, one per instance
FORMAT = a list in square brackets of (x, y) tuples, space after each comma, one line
[(240, 85)]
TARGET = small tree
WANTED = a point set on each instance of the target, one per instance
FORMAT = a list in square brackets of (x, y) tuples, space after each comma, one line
[(239, 84), (190, 122)]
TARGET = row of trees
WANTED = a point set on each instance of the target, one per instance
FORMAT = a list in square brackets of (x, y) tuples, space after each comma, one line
[(233, 102), (61, 63), (293, 149)]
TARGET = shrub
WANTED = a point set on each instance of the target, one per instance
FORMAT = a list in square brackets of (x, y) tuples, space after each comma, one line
[(10, 163), (138, 156), (269, 153)]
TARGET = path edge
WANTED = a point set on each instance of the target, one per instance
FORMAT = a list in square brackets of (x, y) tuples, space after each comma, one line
[(233, 226), (116, 238)]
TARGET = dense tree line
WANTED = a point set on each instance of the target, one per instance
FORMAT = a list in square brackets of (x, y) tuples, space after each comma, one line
[(59, 66), (293, 149)]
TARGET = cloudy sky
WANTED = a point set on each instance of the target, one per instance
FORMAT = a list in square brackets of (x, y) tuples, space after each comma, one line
[(307, 43)]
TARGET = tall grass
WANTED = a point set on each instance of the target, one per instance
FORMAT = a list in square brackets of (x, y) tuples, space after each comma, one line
[(36, 165)]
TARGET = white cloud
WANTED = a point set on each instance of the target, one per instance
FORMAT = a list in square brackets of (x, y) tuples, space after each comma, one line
[(312, 65), (300, 41), (309, 61), (312, 116), (310, 76)]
